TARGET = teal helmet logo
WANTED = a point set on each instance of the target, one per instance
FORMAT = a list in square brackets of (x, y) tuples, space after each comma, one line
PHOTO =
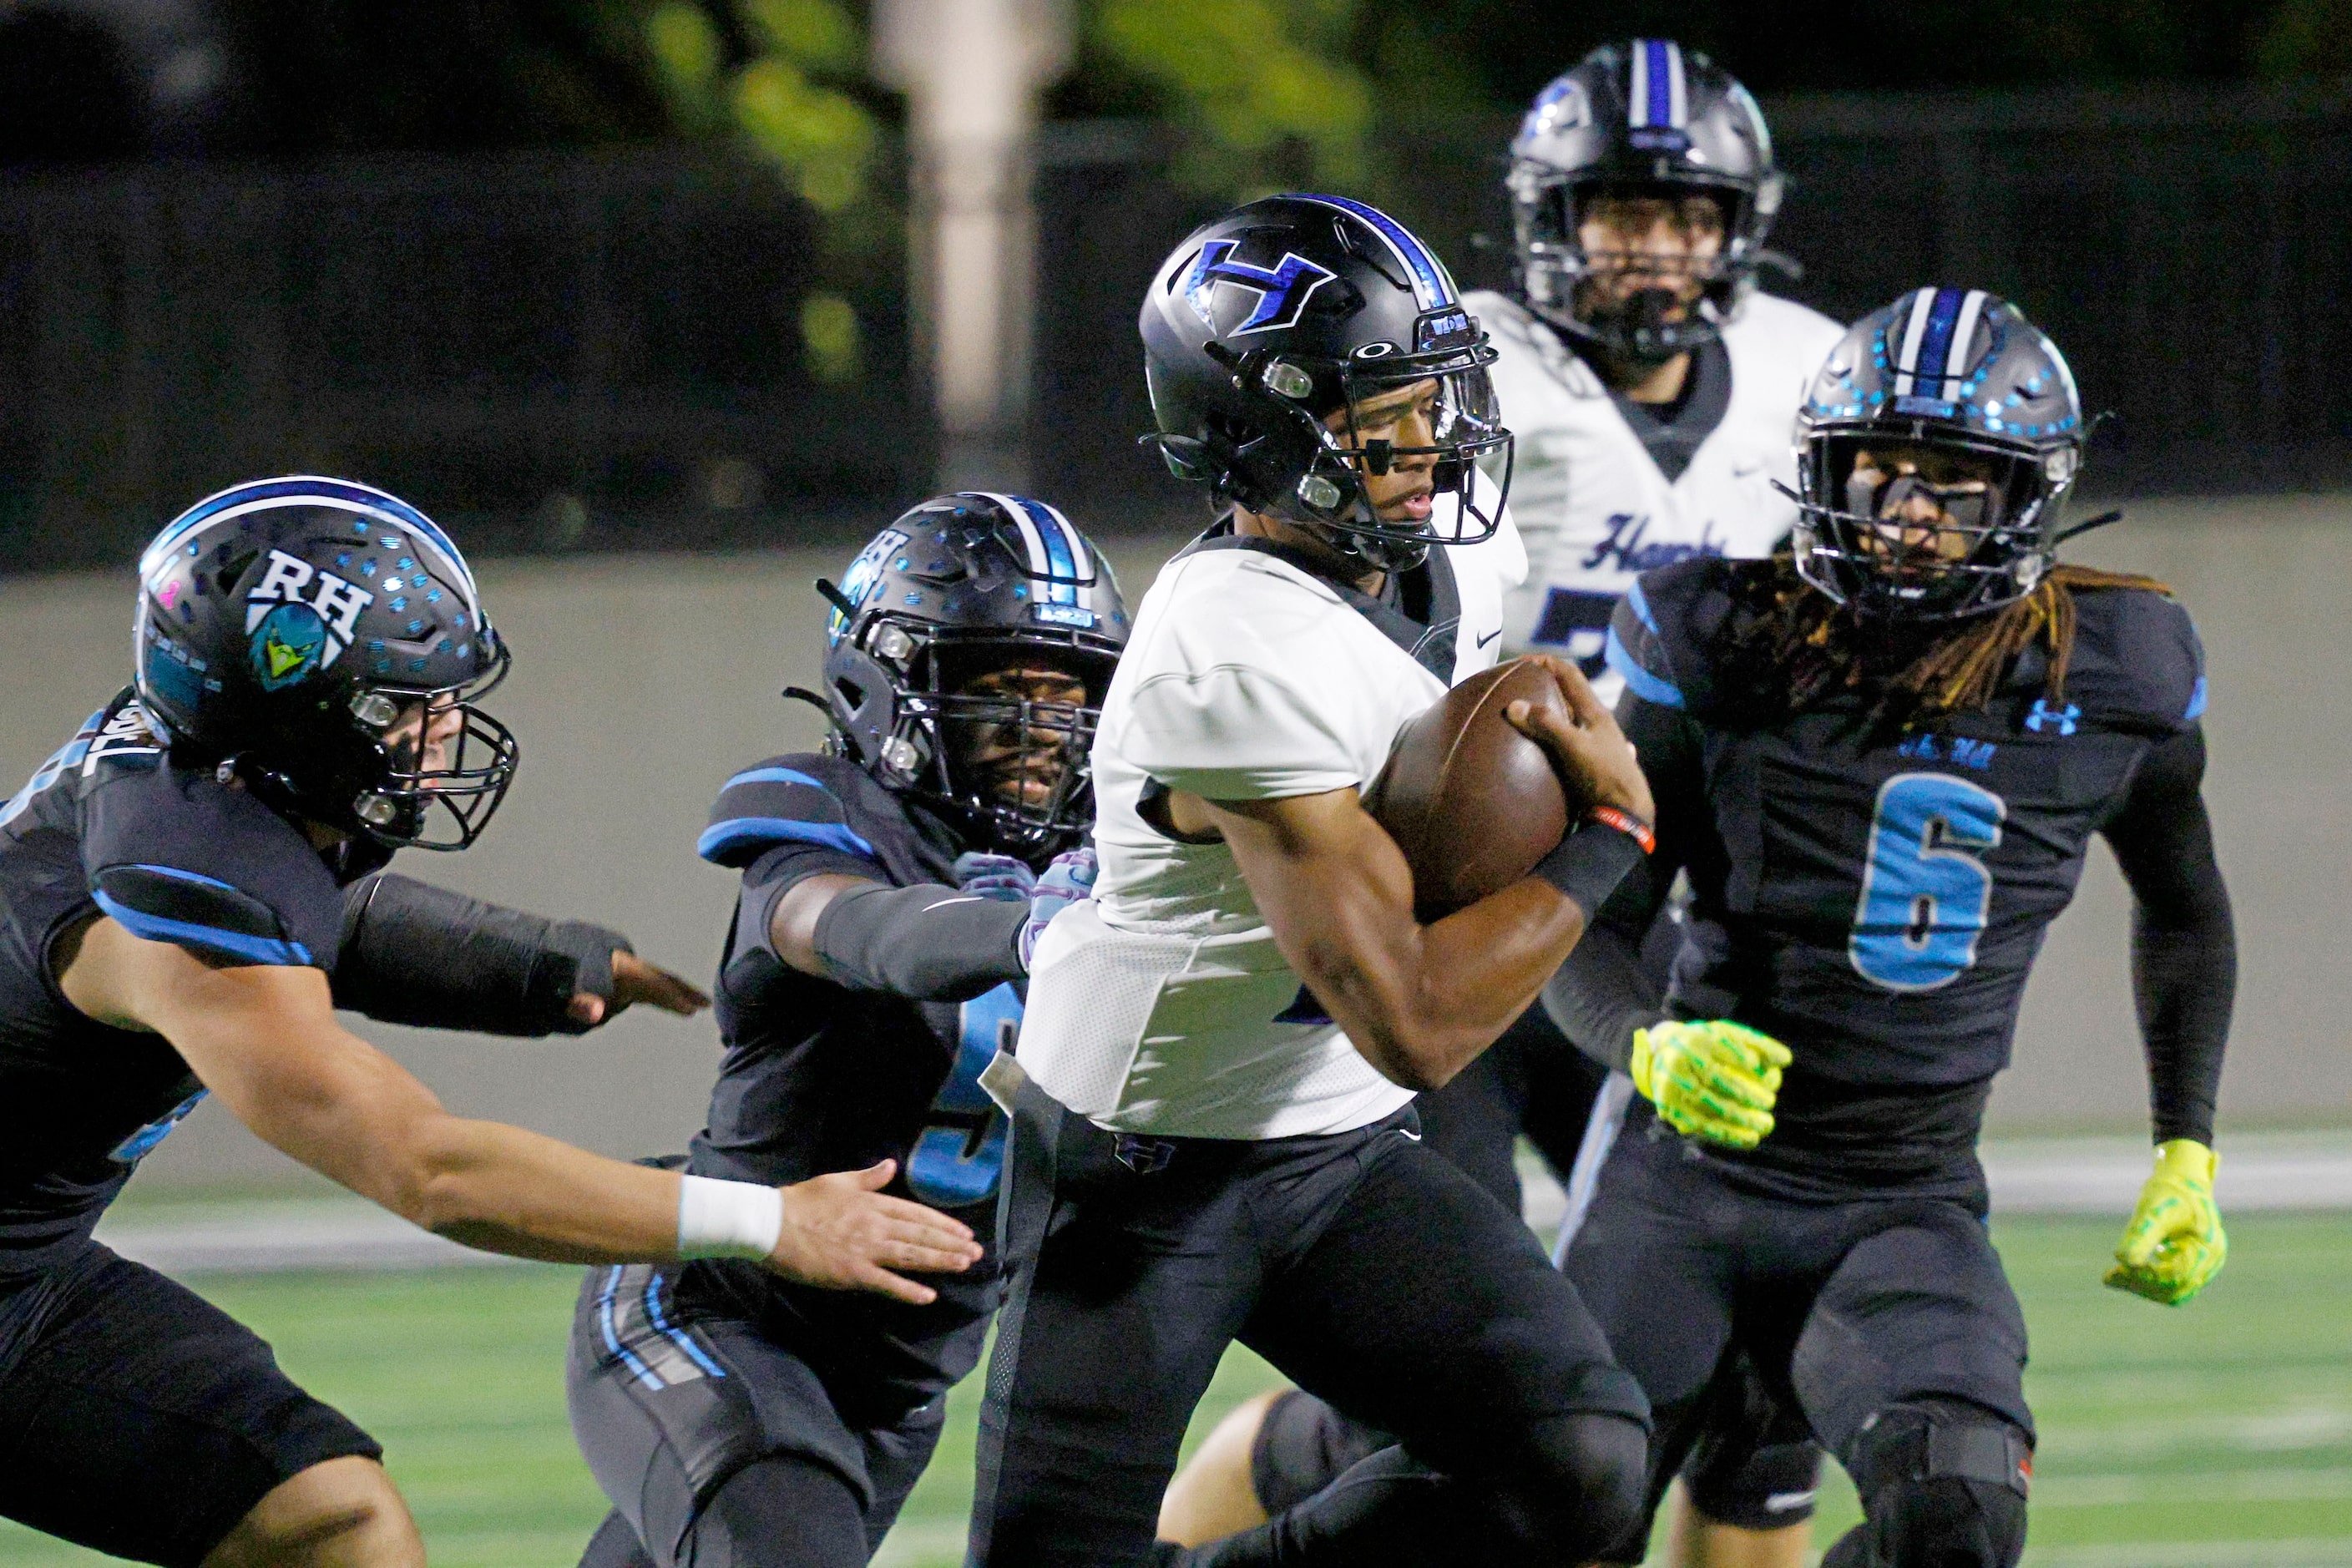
[(863, 575), (289, 643)]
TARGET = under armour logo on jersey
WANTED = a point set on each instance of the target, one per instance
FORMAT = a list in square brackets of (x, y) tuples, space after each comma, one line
[(1282, 289), (2044, 717)]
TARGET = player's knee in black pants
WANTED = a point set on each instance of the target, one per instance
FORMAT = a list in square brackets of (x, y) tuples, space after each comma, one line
[(1943, 1485)]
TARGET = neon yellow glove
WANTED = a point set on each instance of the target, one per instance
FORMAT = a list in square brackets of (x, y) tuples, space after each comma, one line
[(2173, 1244), (1715, 1081)]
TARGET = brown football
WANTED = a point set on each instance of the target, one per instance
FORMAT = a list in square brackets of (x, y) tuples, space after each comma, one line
[(1473, 802)]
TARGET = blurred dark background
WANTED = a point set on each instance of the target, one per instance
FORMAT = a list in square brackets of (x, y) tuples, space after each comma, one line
[(586, 275)]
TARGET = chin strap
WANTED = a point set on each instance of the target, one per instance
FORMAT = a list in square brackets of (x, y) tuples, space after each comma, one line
[(2105, 518)]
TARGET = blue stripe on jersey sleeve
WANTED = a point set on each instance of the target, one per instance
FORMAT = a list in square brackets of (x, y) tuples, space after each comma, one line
[(722, 839), (771, 775), (1649, 688), (1640, 603), (211, 938), (2196, 703)]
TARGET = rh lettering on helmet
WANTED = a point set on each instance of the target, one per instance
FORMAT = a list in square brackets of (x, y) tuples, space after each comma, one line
[(337, 602)]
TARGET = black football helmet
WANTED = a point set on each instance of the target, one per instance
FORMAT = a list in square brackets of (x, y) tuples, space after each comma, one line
[(959, 587), (1952, 370), (291, 630), (1641, 116), (1269, 331)]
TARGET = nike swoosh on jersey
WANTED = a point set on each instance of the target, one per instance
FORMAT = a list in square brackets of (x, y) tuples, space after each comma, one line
[(1490, 636)]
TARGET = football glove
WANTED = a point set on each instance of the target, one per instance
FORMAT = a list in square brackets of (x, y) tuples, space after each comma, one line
[(2173, 1244), (998, 876), (1714, 1080), (1070, 879)]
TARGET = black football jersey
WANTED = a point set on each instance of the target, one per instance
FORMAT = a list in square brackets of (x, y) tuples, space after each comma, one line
[(108, 826), (1874, 894), (821, 1077)]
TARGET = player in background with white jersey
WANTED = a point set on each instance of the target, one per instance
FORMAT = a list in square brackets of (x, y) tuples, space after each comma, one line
[(1650, 384), (1213, 1136), (1651, 390)]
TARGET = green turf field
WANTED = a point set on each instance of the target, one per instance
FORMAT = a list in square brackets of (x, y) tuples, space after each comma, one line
[(2213, 1437)]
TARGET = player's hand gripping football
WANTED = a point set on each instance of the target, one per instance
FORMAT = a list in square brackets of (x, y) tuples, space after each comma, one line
[(1715, 1081), (1594, 759), (635, 981), (841, 1232), (2173, 1244)]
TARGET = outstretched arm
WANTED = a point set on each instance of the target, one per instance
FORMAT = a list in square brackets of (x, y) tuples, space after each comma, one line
[(265, 1039), (1422, 1001), (414, 954)]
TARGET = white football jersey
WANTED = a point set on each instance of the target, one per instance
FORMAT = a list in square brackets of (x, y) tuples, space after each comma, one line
[(1593, 505), (1162, 1004)]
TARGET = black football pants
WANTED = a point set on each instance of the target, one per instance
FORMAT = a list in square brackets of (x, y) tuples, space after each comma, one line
[(1843, 1309), (1374, 1273)]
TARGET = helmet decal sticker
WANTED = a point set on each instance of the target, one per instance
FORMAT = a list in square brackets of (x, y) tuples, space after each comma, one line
[(336, 603), (865, 575), (1282, 289), (291, 642)]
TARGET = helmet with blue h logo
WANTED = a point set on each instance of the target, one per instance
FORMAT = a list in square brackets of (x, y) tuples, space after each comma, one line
[(1949, 406), (958, 594), (325, 642), (1275, 339), (1642, 116)]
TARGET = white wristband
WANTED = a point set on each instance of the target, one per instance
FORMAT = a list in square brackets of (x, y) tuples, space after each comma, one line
[(727, 1219)]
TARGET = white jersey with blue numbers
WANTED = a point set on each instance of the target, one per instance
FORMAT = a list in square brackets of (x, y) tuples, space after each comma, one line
[(1594, 507), (1163, 1006)]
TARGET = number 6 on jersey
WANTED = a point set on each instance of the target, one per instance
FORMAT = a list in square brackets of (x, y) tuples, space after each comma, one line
[(1925, 897)]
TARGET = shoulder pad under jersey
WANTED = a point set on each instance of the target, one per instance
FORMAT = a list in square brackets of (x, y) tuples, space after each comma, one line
[(786, 800), (1659, 634), (2137, 663), (174, 856)]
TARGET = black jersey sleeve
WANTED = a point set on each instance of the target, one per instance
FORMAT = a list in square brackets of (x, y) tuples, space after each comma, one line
[(174, 856), (1602, 993), (2184, 944), (783, 823), (2136, 662)]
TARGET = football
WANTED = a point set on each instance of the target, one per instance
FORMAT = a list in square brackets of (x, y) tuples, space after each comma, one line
[(1473, 802)]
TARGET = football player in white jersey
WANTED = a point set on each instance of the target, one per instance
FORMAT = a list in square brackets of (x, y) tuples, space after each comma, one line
[(1650, 384), (1651, 390), (1214, 1134)]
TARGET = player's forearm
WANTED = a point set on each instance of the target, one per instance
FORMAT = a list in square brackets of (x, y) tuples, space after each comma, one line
[(930, 942), (508, 1189), (2184, 980), (1421, 1001)]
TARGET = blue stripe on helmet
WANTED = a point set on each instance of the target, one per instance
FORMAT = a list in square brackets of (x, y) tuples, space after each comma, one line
[(1936, 342), (1432, 284), (1061, 561), (295, 486), (1660, 109)]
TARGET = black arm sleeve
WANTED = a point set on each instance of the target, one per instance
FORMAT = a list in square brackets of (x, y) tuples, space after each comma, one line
[(928, 941), (413, 953), (2184, 946), (1603, 994)]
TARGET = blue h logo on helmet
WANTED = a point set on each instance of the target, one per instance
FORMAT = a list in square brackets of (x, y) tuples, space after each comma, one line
[(1283, 289)]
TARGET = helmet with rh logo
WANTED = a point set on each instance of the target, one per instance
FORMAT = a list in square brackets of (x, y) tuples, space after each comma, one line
[(324, 642)]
